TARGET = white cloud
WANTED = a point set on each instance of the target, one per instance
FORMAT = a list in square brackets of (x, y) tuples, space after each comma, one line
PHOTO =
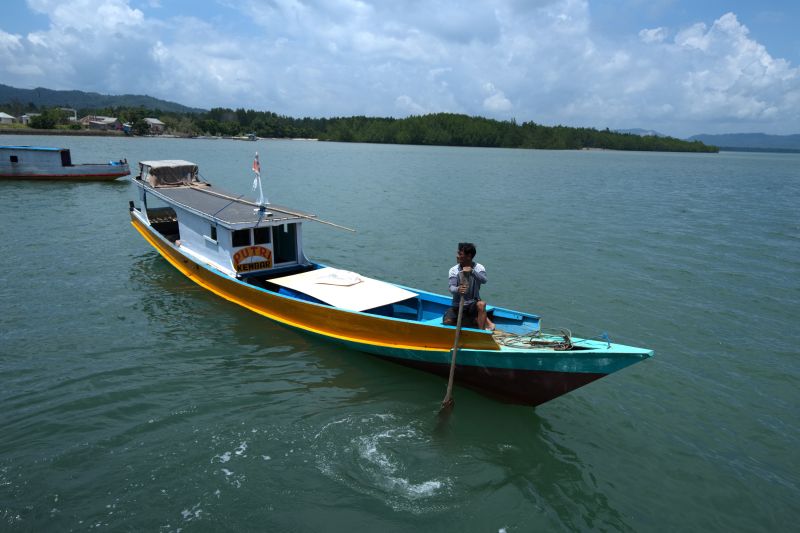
[(407, 105), (654, 35), (694, 37), (496, 101), (9, 42), (348, 57), (734, 78), (90, 16)]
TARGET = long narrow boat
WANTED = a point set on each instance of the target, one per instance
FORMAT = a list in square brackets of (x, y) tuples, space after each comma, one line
[(46, 163), (252, 254)]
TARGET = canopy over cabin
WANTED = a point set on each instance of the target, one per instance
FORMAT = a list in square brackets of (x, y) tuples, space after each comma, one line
[(167, 173)]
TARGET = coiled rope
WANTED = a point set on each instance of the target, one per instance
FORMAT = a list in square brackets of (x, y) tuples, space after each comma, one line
[(558, 340), (541, 339)]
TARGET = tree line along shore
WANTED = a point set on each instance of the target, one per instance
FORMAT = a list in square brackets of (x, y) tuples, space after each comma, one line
[(440, 129)]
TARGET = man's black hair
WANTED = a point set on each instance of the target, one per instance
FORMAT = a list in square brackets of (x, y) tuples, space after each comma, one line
[(468, 248)]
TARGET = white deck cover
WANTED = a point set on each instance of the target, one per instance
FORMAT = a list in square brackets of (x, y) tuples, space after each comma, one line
[(344, 289)]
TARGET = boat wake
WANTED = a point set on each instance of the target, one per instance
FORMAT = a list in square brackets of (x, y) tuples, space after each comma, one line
[(372, 455)]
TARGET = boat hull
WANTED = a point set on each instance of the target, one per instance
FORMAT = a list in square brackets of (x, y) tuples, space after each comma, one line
[(521, 376), (75, 173), (48, 163), (516, 386), (526, 377)]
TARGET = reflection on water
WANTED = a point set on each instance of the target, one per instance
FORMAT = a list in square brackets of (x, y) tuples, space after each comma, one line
[(182, 313), (282, 360)]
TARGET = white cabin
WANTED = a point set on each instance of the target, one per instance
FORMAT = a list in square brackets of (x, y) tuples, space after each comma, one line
[(230, 234)]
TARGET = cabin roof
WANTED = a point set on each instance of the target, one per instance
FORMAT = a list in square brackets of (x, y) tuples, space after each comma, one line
[(40, 148), (228, 209), (168, 163)]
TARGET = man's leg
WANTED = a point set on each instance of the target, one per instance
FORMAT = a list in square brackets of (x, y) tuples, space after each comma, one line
[(482, 319)]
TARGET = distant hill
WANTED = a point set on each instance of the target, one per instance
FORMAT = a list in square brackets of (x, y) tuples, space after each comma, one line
[(42, 97), (642, 133), (751, 141)]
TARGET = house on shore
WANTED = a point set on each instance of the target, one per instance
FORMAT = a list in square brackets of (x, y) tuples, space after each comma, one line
[(156, 126), (98, 122), (5, 118), (26, 118)]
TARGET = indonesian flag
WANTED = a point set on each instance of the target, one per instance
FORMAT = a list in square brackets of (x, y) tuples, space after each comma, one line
[(256, 170)]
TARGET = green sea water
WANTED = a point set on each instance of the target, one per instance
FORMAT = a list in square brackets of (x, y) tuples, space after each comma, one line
[(133, 400)]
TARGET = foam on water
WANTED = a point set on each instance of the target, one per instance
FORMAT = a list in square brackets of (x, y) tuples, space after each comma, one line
[(224, 458), (375, 456), (380, 460), (192, 514)]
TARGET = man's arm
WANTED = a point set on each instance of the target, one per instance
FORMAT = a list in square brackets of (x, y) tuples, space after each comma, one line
[(453, 281), (479, 273)]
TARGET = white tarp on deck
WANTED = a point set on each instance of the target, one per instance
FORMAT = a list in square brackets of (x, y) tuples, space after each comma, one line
[(344, 289)]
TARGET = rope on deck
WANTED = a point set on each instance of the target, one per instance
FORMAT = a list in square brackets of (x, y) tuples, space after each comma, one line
[(560, 341)]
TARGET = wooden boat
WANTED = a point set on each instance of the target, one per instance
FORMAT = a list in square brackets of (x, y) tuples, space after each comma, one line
[(253, 255), (45, 163)]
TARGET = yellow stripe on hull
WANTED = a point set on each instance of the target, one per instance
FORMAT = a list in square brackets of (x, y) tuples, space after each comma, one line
[(330, 322)]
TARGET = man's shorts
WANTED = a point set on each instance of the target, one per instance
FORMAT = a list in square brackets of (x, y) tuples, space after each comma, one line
[(469, 318)]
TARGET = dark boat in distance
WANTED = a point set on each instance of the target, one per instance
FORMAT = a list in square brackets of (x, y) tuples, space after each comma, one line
[(252, 254)]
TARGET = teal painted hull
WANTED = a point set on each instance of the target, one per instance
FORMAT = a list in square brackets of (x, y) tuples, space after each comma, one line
[(525, 377)]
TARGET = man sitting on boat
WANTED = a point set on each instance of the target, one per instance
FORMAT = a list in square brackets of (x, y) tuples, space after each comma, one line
[(474, 314)]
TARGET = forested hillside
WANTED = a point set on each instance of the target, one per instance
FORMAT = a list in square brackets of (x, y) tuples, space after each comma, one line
[(461, 130), (443, 129), (23, 100)]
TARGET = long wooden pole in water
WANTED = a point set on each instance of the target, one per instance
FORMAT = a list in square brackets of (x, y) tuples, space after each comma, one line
[(448, 401)]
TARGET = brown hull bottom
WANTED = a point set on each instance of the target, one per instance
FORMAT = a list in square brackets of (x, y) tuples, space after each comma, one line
[(523, 387)]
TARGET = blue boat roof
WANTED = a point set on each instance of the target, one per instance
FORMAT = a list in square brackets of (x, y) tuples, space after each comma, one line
[(42, 148)]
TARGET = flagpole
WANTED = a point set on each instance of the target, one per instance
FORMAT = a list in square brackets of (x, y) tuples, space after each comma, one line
[(260, 192), (257, 184)]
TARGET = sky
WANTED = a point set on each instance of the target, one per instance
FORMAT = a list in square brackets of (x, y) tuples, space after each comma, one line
[(680, 67)]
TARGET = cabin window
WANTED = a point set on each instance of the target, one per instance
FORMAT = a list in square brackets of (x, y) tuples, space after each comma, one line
[(241, 237), (213, 233), (14, 159), (261, 236), (285, 245)]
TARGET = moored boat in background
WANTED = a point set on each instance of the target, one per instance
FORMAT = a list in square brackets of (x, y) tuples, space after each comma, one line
[(46, 163), (252, 254)]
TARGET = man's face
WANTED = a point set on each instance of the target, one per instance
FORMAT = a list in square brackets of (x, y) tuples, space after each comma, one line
[(462, 258)]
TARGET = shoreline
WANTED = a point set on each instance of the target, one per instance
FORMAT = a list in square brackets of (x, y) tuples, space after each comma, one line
[(114, 133), (83, 133), (121, 134)]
